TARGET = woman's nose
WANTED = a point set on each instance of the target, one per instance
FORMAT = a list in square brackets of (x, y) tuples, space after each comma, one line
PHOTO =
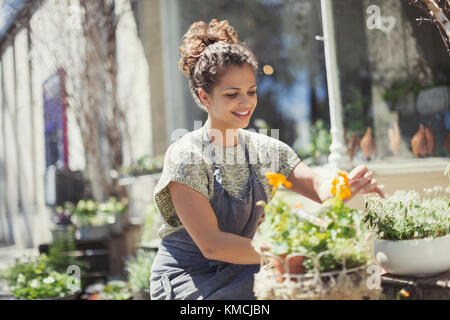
[(244, 102)]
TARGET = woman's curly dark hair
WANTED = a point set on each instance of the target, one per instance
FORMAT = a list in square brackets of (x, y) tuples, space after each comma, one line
[(205, 52)]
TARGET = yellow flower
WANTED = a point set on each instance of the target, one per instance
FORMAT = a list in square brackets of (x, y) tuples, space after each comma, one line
[(341, 189), (344, 192), (276, 179), (335, 182), (343, 174), (333, 191)]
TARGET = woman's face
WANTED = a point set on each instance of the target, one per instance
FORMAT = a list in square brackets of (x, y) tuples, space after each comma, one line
[(233, 100)]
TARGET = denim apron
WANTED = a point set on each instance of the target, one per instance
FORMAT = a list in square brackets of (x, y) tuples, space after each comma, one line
[(180, 271)]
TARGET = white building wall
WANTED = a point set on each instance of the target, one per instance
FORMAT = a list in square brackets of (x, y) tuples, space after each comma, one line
[(4, 230), (24, 217), (133, 82), (23, 134)]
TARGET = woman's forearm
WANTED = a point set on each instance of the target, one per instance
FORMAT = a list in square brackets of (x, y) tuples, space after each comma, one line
[(231, 248)]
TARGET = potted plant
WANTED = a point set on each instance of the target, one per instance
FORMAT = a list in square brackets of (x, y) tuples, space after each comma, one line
[(413, 232), (323, 255), (35, 278), (144, 165), (139, 271), (92, 224), (115, 211), (62, 223), (299, 242)]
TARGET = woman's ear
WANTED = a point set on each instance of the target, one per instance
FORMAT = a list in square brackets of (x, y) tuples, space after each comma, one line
[(204, 98)]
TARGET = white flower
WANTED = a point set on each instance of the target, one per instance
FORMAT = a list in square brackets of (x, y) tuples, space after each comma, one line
[(49, 280), (34, 283), (21, 278)]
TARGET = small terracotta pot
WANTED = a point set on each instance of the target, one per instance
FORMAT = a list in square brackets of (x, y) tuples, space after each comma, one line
[(295, 265)]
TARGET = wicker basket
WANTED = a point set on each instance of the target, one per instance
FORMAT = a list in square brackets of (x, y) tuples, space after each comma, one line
[(345, 284)]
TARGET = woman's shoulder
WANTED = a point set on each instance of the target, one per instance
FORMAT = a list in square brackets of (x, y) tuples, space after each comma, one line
[(185, 148)]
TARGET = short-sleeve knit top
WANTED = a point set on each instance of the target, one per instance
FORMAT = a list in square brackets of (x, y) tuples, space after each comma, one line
[(188, 161)]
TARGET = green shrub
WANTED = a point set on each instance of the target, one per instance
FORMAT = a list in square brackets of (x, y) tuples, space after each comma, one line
[(35, 278), (406, 215), (139, 270)]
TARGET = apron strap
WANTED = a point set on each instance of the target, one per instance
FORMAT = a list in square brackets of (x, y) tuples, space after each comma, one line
[(216, 169)]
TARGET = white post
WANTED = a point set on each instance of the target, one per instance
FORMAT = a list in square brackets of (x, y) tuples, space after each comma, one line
[(338, 151), (4, 221)]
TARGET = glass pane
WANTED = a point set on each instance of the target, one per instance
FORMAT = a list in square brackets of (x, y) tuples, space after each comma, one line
[(395, 79)]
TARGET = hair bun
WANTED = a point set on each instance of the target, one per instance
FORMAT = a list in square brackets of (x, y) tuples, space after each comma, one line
[(199, 37)]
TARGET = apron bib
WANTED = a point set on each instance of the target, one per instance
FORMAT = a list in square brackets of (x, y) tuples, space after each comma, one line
[(180, 271)]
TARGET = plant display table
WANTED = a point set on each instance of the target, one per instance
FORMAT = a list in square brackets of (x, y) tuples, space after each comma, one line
[(429, 288), (106, 256)]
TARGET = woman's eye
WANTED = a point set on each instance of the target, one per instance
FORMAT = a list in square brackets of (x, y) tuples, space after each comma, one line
[(231, 95), (252, 93)]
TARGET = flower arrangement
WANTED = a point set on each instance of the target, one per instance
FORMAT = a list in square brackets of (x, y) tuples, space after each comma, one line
[(62, 214), (85, 213), (113, 210), (336, 232), (413, 231), (37, 278), (406, 215), (93, 213)]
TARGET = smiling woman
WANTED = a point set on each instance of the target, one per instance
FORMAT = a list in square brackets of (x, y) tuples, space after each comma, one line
[(208, 205)]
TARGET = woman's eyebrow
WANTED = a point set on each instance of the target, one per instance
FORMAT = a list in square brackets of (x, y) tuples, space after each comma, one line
[(234, 88)]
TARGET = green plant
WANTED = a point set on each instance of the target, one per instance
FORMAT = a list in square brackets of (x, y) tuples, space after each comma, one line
[(336, 228), (115, 290), (355, 115), (399, 89), (113, 208), (144, 165), (319, 145), (35, 278), (62, 214), (150, 224), (406, 215), (86, 213), (62, 251), (139, 270)]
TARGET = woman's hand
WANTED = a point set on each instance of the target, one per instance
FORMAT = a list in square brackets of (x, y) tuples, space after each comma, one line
[(361, 180)]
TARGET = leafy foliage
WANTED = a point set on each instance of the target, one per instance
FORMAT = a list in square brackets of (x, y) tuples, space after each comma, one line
[(45, 276), (336, 228), (61, 252), (406, 215), (36, 279), (144, 165), (139, 270), (62, 214), (151, 223), (92, 213), (115, 290), (319, 145)]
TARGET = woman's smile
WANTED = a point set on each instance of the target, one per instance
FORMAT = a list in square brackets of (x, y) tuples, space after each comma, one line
[(242, 114)]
